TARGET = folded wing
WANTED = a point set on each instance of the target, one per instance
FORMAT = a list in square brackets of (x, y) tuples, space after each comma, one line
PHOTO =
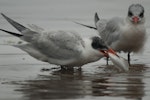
[(48, 45)]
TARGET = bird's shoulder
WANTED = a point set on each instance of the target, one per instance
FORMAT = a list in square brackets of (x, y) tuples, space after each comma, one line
[(114, 24), (66, 40), (60, 44), (110, 25), (110, 31), (65, 37)]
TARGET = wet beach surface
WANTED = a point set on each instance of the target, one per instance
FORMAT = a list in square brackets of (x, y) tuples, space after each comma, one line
[(25, 78)]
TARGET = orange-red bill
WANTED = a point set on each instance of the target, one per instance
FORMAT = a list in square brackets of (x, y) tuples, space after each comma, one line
[(135, 19), (105, 52), (112, 51)]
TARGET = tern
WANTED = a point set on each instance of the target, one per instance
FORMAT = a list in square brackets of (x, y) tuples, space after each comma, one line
[(64, 48), (123, 34)]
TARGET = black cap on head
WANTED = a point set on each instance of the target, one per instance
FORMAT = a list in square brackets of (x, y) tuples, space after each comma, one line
[(98, 43)]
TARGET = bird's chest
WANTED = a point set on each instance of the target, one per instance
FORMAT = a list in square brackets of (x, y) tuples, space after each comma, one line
[(133, 33), (132, 38)]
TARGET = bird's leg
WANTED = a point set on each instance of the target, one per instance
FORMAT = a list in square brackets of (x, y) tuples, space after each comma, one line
[(79, 68), (66, 68), (129, 58), (107, 58), (63, 68)]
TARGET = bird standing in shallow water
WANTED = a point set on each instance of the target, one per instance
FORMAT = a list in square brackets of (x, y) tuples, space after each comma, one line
[(123, 34), (62, 48)]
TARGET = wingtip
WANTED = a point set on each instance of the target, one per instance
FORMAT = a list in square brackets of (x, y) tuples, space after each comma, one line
[(15, 24), (96, 17), (85, 25), (3, 15), (12, 33), (7, 18)]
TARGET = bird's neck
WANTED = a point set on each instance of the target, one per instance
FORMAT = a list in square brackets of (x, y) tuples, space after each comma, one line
[(90, 52)]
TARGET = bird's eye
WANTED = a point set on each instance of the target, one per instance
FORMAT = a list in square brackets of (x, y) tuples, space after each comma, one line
[(141, 15), (130, 14)]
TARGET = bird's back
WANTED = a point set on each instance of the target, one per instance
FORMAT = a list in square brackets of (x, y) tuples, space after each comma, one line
[(59, 44)]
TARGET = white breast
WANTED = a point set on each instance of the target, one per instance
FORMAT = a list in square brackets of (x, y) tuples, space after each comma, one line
[(132, 38)]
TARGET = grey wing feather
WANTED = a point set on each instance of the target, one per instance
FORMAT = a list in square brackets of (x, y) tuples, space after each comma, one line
[(31, 50), (36, 28), (26, 32), (88, 26), (18, 26), (101, 26), (12, 33), (109, 30), (60, 45)]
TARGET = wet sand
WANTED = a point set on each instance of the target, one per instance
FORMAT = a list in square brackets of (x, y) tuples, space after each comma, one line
[(25, 78)]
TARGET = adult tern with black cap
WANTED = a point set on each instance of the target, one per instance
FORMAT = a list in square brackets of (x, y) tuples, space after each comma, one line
[(64, 48)]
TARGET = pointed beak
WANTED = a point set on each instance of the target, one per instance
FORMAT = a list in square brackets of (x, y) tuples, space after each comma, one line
[(109, 50), (135, 19)]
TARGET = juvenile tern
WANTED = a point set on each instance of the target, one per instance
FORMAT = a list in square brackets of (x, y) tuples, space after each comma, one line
[(123, 34), (64, 48)]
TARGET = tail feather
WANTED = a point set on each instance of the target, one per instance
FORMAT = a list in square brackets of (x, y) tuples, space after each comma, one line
[(18, 26), (12, 33), (86, 25)]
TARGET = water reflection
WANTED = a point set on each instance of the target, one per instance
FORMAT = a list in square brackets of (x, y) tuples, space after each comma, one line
[(135, 89), (129, 85), (60, 84)]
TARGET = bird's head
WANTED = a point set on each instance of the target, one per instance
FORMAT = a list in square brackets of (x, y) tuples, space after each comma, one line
[(100, 45), (136, 14)]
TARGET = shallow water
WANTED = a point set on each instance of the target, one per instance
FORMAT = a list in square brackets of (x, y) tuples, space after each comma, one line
[(25, 78)]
